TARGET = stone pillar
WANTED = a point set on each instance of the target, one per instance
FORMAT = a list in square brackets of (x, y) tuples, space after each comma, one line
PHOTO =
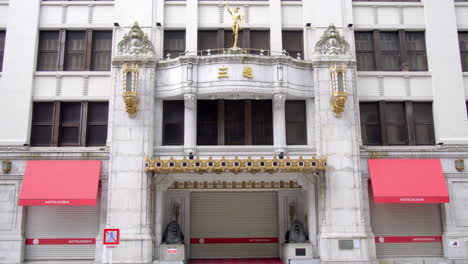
[(190, 126), (311, 211), (342, 206), (191, 26), (279, 123), (447, 78), (18, 71), (276, 40), (159, 218)]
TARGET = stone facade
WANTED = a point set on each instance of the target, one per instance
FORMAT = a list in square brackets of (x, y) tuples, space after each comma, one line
[(335, 202)]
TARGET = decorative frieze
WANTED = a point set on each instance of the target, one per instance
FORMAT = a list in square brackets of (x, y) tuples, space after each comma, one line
[(237, 185), (235, 165)]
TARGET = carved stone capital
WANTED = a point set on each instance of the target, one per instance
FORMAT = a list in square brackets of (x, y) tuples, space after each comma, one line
[(279, 101), (190, 101), (332, 43)]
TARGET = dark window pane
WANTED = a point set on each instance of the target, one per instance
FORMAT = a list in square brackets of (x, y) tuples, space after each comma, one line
[(370, 124), (2, 48), (296, 130), (234, 122), (101, 52), (416, 46), (397, 132), (41, 135), (293, 43), (96, 135), (69, 136), (207, 122), (173, 123), (259, 40), (463, 38), (423, 123), (42, 121), (262, 122), (208, 40), (390, 51), (47, 58), (71, 113), (174, 43), (75, 51), (365, 51), (98, 112)]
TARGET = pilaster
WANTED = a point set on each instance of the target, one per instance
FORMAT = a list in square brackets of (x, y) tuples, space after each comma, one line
[(279, 123), (191, 26), (190, 125), (18, 71), (276, 40)]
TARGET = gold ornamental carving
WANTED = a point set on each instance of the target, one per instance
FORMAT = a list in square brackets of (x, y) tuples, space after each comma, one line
[(248, 72), (236, 165), (338, 87), (130, 89), (233, 185)]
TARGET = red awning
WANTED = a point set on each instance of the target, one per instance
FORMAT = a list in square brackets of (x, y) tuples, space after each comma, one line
[(408, 181), (60, 182)]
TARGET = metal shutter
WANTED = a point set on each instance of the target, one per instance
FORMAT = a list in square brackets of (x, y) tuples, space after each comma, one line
[(406, 220), (61, 222), (234, 215)]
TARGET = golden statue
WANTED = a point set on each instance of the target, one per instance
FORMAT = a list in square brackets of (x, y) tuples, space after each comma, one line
[(237, 18)]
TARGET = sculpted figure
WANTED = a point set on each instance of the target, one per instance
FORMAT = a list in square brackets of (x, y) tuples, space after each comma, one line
[(296, 233), (173, 234), (236, 22)]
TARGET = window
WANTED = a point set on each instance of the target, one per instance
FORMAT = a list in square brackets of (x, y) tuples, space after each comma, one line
[(174, 43), (293, 43), (235, 122), (173, 122), (397, 123), (248, 39), (390, 51), (69, 124), (82, 50), (296, 130), (463, 38), (2, 48)]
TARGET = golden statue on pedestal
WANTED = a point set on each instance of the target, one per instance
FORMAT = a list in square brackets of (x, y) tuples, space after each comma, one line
[(237, 18)]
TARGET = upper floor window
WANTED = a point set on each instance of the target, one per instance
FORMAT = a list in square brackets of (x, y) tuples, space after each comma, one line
[(293, 43), (397, 123), (235, 122), (2, 48), (296, 124), (69, 124), (390, 51), (82, 50), (255, 40), (173, 122), (463, 38), (174, 43)]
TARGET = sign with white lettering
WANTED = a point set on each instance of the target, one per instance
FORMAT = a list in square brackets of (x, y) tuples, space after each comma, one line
[(172, 251)]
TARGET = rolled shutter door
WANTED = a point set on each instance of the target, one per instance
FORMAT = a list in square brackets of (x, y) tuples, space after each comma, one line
[(234, 215), (56, 222), (406, 220)]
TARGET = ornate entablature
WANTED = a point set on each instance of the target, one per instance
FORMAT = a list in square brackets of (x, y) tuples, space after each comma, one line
[(237, 185), (236, 165), (244, 75)]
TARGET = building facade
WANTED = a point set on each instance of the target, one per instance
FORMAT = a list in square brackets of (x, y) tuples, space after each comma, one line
[(347, 116)]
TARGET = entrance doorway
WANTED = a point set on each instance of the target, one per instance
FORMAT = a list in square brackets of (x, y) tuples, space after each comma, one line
[(234, 225)]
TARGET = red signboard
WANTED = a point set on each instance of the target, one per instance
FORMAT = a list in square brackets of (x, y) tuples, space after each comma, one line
[(412, 239), (60, 241), (234, 240), (111, 237), (172, 251)]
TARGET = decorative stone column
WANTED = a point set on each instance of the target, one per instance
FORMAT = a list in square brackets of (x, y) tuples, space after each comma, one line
[(190, 126), (279, 123), (131, 131), (342, 236)]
